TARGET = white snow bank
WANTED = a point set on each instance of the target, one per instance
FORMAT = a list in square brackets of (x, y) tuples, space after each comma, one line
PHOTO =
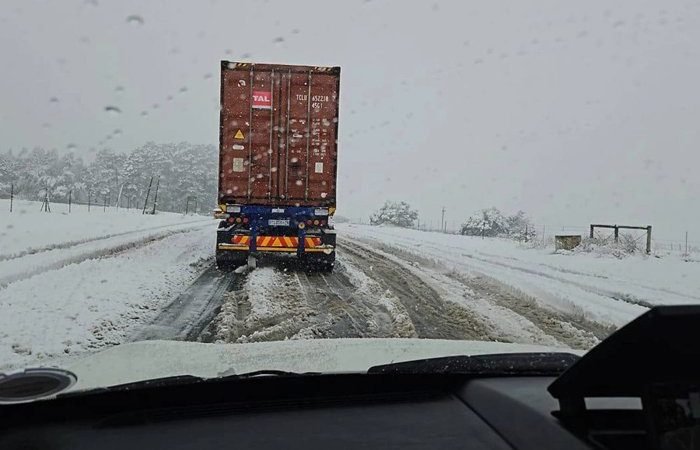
[(97, 302)]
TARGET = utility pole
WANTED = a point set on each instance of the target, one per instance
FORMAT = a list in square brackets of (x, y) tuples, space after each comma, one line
[(155, 196), (195, 205), (70, 195), (187, 205), (686, 242), (148, 193), (442, 223), (89, 199), (12, 194)]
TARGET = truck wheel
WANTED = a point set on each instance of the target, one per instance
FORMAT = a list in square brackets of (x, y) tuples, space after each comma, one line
[(321, 263), (228, 261), (328, 263)]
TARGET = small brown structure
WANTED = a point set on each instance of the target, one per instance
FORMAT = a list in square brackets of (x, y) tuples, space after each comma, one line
[(567, 241)]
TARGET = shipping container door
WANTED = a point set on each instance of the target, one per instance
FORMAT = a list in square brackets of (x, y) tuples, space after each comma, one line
[(323, 109), (234, 133)]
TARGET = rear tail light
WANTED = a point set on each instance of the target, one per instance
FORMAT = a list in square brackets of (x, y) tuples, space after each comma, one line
[(309, 222), (230, 220), (316, 222), (238, 220), (245, 220), (323, 222)]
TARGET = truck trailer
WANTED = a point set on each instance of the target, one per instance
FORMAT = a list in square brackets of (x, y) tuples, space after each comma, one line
[(278, 154)]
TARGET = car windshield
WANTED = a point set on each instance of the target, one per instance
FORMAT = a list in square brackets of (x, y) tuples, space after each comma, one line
[(180, 180)]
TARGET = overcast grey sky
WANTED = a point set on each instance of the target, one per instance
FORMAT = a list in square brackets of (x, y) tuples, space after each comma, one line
[(572, 111)]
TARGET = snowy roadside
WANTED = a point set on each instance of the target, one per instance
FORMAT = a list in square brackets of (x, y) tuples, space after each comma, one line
[(27, 230), (29, 265), (600, 289), (95, 303)]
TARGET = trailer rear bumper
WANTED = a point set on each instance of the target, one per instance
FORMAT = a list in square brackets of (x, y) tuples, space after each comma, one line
[(326, 249)]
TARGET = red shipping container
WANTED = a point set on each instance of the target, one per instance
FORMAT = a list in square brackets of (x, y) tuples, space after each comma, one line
[(278, 134)]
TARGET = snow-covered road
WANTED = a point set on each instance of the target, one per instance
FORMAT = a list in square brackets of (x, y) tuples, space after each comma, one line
[(160, 283)]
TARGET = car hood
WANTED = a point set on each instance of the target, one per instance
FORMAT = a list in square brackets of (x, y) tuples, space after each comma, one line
[(144, 360)]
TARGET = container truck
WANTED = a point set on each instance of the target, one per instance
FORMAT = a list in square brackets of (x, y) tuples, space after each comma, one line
[(277, 163)]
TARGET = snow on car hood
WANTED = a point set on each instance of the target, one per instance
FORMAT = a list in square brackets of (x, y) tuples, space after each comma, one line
[(144, 360)]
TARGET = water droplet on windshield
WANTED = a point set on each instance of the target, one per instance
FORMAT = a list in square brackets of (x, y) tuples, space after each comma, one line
[(71, 146), (144, 113), (299, 182), (278, 40), (134, 19), (119, 88), (53, 100), (169, 97), (156, 106), (207, 76), (84, 40), (246, 55), (183, 89), (113, 110), (117, 132), (295, 31), (228, 51)]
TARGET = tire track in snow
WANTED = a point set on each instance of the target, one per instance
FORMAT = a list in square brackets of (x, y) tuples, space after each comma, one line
[(603, 292), (74, 243), (572, 330), (188, 316), (431, 316)]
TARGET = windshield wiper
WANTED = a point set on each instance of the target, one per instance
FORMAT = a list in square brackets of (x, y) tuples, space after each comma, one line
[(521, 364)]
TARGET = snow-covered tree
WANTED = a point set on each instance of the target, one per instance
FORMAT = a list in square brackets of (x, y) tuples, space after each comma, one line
[(487, 222), (395, 213), (520, 227), (492, 222)]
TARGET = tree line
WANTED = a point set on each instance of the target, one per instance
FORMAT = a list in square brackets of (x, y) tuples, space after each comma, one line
[(117, 179)]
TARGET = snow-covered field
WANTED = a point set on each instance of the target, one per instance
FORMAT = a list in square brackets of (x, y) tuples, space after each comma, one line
[(79, 281), (602, 289)]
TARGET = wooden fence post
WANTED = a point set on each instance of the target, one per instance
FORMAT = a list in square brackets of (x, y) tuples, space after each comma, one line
[(648, 239), (148, 193)]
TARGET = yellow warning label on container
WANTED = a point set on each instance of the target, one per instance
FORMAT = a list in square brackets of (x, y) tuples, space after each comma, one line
[(239, 135)]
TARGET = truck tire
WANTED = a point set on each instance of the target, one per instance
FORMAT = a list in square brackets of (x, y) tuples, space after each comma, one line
[(321, 263), (228, 261)]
